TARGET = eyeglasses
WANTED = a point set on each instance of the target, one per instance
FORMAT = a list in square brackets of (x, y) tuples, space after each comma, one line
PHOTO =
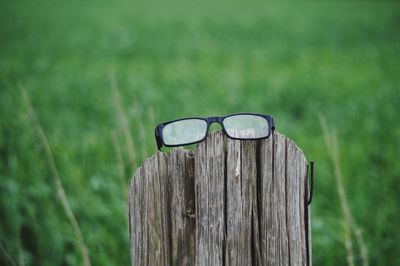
[(191, 130)]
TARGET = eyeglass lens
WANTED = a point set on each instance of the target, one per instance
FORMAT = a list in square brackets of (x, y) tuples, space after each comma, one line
[(184, 131), (246, 126)]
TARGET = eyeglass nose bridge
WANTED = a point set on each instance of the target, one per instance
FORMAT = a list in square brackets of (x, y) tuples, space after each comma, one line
[(215, 119)]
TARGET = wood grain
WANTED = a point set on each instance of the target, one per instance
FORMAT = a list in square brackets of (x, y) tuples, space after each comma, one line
[(227, 202)]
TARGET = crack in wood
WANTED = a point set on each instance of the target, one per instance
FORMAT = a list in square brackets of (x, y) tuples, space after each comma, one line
[(226, 202)]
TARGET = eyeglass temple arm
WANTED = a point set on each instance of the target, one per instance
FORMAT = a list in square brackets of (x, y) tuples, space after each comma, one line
[(308, 199), (311, 166), (272, 123), (158, 139)]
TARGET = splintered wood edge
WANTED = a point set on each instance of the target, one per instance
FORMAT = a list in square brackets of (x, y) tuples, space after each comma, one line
[(193, 151), (210, 159)]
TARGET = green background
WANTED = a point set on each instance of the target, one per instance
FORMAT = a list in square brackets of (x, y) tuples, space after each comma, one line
[(294, 60)]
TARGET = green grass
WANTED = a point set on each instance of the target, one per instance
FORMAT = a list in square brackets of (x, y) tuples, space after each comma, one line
[(292, 60)]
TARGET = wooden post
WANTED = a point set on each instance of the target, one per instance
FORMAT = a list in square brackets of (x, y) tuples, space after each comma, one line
[(227, 202)]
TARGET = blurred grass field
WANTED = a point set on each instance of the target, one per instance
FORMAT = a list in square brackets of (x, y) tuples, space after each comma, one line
[(296, 61)]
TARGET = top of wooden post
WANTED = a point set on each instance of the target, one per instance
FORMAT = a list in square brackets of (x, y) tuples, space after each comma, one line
[(227, 202)]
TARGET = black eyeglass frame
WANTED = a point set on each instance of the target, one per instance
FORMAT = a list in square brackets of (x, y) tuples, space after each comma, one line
[(209, 121)]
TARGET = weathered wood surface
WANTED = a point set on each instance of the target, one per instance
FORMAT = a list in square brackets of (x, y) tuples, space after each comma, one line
[(227, 202)]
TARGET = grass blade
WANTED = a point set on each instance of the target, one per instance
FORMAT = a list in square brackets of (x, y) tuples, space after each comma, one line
[(57, 180), (123, 119), (331, 145)]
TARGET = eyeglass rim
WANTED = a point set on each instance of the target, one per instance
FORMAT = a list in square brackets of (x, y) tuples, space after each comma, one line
[(209, 121)]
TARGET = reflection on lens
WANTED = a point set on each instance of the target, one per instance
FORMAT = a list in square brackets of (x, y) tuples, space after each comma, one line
[(184, 131), (246, 126)]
